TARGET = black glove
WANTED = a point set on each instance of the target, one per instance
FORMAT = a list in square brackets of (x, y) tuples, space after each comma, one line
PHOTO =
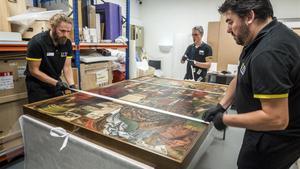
[(218, 122), (210, 114), (62, 86), (184, 58), (192, 62), (72, 87)]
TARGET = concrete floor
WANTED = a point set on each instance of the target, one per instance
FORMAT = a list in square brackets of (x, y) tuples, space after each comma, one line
[(221, 154)]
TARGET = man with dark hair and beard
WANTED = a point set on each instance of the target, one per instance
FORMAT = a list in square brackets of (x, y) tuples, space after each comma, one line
[(49, 53), (267, 88)]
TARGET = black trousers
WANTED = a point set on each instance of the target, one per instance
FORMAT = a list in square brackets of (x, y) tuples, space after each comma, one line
[(38, 91), (268, 151), (189, 77)]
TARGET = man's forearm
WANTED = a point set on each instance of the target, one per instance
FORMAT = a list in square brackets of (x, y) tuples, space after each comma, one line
[(274, 115), (44, 77), (68, 73), (229, 94), (203, 65), (257, 120)]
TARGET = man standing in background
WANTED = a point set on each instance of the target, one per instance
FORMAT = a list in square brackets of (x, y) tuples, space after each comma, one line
[(195, 55)]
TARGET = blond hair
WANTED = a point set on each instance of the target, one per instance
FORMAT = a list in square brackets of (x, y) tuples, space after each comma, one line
[(56, 19)]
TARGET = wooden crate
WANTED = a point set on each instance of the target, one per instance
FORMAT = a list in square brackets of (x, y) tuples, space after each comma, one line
[(75, 76), (297, 30), (228, 51), (37, 27), (11, 150), (213, 38), (225, 49), (95, 75), (9, 120), (16, 7), (4, 13), (12, 83)]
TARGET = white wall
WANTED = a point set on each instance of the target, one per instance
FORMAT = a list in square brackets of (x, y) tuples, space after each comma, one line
[(286, 8), (171, 21), (135, 17)]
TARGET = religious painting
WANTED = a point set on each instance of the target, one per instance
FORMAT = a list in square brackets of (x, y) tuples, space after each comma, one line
[(166, 136)]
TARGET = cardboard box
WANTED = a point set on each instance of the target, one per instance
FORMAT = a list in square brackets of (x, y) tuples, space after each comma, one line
[(137, 34), (91, 16), (10, 36), (213, 39), (75, 76), (66, 6), (9, 116), (297, 30), (95, 75), (12, 80), (16, 7), (149, 72), (36, 9), (4, 13), (228, 50), (11, 149), (35, 28)]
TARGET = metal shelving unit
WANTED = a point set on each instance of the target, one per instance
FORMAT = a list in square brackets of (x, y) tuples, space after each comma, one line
[(93, 46), (6, 46), (128, 37), (76, 40), (13, 46)]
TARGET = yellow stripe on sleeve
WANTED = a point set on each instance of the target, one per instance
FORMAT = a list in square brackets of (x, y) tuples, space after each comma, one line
[(69, 57), (271, 96), (33, 59)]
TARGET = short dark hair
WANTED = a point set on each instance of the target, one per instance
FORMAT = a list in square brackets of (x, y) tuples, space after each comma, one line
[(262, 8)]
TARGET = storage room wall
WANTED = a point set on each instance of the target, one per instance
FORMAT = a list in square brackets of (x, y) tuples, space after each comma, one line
[(287, 9), (170, 22)]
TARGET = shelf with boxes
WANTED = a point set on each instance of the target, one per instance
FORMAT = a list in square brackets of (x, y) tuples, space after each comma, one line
[(11, 100), (6, 46), (12, 97), (12, 78), (102, 46), (13, 89), (22, 46)]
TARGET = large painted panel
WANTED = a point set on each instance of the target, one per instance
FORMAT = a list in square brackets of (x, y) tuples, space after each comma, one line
[(168, 137)]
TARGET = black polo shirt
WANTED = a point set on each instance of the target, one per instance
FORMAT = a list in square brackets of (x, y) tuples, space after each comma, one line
[(270, 68), (199, 54), (41, 48)]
